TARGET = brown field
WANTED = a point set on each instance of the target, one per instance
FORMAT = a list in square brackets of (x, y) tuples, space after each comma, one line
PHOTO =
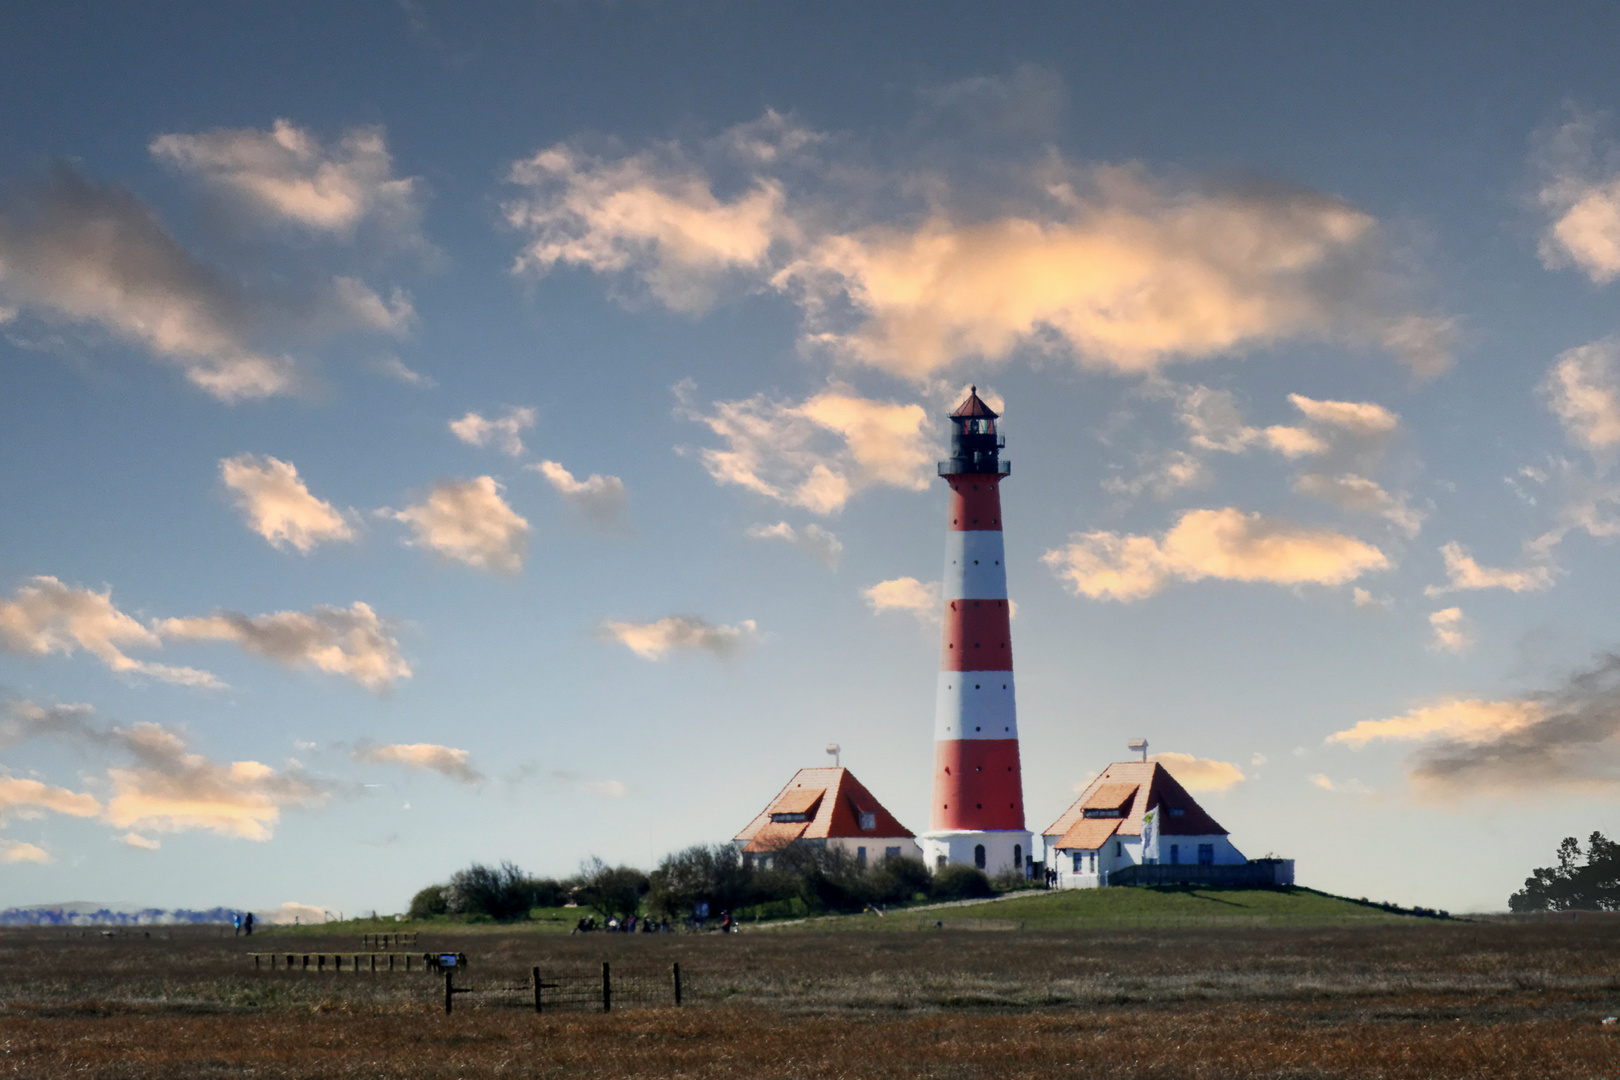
[(1420, 999)]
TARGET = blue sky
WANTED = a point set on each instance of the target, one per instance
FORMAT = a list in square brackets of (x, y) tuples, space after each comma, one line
[(436, 434)]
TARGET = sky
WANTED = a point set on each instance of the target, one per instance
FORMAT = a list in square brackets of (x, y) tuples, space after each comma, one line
[(435, 433)]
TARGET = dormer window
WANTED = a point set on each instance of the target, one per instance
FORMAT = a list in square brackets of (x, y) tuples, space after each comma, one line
[(1103, 813), (1176, 811), (868, 822), (785, 819)]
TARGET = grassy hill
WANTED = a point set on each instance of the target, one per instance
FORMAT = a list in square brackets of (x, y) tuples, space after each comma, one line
[(1156, 906)]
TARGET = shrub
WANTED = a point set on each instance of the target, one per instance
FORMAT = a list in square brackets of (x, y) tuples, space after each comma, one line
[(611, 891), (427, 903), (1010, 880), (897, 880), (501, 894), (700, 874), (957, 882)]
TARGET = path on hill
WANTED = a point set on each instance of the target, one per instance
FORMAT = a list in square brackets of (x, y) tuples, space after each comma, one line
[(905, 910)]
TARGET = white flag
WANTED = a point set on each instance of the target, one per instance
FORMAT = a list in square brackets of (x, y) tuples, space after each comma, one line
[(1150, 836)]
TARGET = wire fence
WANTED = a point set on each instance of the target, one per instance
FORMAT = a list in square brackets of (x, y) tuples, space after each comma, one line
[(593, 990)]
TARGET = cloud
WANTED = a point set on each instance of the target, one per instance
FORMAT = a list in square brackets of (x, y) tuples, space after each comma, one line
[(1164, 475), (1115, 268), (1360, 495), (817, 453), (286, 174), (1109, 265), (16, 851), (654, 215), (44, 616), (1364, 599), (1201, 774), (1028, 103), (469, 522), (1581, 196), (1214, 422), (278, 506), (1583, 390), (475, 430), (610, 789), (72, 251), (1450, 631), (907, 594), (601, 499), (351, 642), (95, 254), (1349, 787), (1362, 418), (820, 543), (395, 368), (680, 633), (163, 786), (445, 760), (1565, 739), (30, 795), (1226, 544), (139, 842), (1462, 572)]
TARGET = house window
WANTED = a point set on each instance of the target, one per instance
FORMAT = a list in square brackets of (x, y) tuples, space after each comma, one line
[(1176, 811), (1078, 856), (868, 822), (1206, 854), (939, 863), (891, 853), (1101, 813), (782, 819), (860, 856), (1119, 848), (1093, 862), (1175, 854), (978, 856)]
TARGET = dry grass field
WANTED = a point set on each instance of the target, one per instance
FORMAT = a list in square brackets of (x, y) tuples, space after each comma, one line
[(1414, 998)]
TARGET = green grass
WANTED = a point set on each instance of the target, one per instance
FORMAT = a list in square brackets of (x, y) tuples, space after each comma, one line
[(557, 920), (1154, 906)]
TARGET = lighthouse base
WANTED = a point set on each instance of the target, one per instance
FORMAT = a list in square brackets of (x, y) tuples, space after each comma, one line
[(994, 852)]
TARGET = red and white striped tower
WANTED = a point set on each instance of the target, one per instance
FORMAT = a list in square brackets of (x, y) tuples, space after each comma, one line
[(978, 813)]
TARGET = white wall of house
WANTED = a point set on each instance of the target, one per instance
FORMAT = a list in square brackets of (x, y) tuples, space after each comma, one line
[(1003, 850), (877, 847), (1122, 851)]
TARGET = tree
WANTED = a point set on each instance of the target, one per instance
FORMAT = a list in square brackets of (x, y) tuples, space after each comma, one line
[(611, 891), (700, 874), (1571, 885), (503, 894), (428, 902)]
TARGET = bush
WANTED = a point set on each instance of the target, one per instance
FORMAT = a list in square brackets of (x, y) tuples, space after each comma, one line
[(1010, 880), (427, 903), (897, 880), (611, 891), (957, 882), (502, 894), (712, 875)]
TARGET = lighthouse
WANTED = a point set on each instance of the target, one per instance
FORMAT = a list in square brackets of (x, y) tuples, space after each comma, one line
[(977, 816)]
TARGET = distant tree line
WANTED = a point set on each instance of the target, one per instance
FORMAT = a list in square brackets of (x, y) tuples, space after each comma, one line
[(800, 879), (1574, 885)]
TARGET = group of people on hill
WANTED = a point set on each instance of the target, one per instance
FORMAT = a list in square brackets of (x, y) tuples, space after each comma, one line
[(243, 922), (630, 924)]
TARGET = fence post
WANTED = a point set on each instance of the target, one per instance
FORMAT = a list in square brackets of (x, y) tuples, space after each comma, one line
[(255, 961), (536, 989), (449, 989), (607, 988), (320, 962), (676, 967)]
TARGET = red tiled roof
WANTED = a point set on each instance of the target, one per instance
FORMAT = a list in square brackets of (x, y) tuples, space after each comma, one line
[(834, 798), (1109, 797), (973, 408), (1154, 787), (1089, 834)]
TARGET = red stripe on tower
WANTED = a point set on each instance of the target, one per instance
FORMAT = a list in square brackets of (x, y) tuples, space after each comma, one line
[(977, 815)]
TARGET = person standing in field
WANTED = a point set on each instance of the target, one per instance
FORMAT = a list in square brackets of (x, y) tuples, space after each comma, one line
[(247, 924), (236, 923)]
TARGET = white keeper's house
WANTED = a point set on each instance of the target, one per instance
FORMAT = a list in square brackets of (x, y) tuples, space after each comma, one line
[(826, 806), (1136, 815)]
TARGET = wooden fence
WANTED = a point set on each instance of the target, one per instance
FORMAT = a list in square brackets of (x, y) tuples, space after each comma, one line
[(351, 961)]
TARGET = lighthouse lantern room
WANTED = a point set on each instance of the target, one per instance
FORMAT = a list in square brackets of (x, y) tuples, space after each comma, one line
[(977, 816)]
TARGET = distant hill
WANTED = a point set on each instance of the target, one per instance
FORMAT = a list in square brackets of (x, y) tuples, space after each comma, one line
[(88, 913)]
